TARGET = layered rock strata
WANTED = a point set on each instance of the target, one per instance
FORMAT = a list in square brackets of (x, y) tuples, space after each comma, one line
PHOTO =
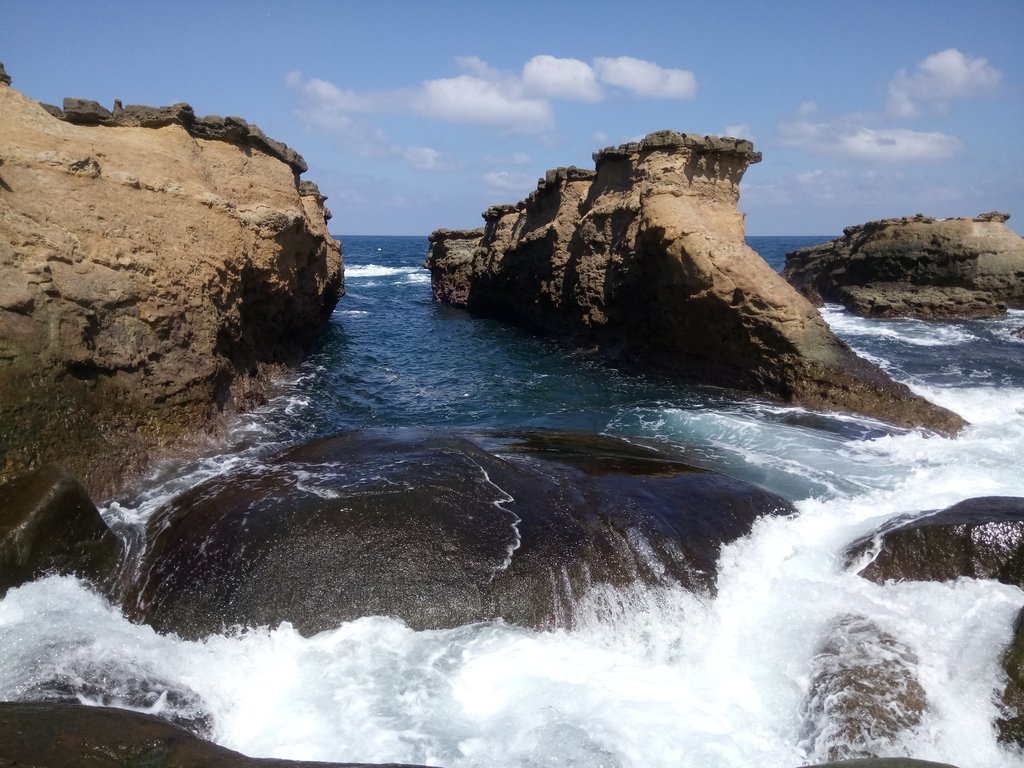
[(150, 278), (646, 256), (916, 267)]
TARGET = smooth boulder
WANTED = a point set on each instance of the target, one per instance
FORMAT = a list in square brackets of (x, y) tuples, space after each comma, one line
[(48, 524), (438, 530)]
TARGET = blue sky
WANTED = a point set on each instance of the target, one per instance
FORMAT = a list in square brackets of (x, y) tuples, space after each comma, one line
[(419, 115)]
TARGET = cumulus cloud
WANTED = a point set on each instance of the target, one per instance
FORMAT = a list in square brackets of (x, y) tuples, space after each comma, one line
[(850, 137), (480, 101), (739, 131), (561, 79), (938, 80), (645, 78), (514, 184)]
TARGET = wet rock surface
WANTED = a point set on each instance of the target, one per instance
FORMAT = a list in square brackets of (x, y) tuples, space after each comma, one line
[(50, 735), (980, 538), (438, 530), (863, 691), (48, 524)]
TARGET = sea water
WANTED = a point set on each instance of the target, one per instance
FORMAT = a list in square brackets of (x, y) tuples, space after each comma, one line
[(649, 677)]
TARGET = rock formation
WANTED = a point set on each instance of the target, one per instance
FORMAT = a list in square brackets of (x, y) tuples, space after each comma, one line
[(646, 256), (154, 268), (980, 538), (438, 530), (916, 267)]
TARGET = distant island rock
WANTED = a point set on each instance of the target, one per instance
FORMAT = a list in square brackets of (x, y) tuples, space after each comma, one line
[(646, 257), (916, 266), (155, 268)]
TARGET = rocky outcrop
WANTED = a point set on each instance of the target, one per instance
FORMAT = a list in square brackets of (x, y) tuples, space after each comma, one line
[(438, 530), (981, 538), (646, 257), (916, 267), (863, 692), (150, 279), (48, 524)]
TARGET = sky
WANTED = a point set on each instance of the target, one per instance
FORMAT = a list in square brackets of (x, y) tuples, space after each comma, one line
[(418, 115)]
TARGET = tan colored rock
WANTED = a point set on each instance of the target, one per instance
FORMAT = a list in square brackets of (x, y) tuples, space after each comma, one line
[(917, 266), (647, 257), (148, 278)]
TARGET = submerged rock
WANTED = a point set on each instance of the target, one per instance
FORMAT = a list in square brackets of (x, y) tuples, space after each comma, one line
[(863, 692), (646, 256), (175, 274), (437, 530), (48, 524), (61, 735), (917, 267), (980, 538)]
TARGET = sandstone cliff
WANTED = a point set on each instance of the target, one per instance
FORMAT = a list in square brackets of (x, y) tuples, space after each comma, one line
[(916, 267), (150, 272), (646, 256)]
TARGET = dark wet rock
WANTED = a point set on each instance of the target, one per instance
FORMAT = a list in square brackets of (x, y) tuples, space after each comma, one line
[(43, 735), (1010, 724), (437, 530), (103, 685), (48, 524), (85, 112), (981, 538), (883, 762), (863, 692), (916, 266)]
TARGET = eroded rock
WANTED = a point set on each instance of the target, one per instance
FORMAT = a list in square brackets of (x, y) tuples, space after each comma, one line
[(646, 257), (174, 276), (917, 267), (438, 530)]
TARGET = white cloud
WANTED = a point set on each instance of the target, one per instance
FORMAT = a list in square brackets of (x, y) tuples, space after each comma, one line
[(645, 78), (480, 101), (740, 131), (561, 78), (938, 80), (849, 137), (516, 184)]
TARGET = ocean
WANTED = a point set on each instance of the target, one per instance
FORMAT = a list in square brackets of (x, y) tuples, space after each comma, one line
[(648, 678)]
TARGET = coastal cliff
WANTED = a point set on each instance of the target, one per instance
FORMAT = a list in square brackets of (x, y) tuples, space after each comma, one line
[(917, 266), (155, 267), (646, 257)]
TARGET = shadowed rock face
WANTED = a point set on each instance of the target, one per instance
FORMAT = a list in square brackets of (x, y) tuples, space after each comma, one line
[(863, 691), (149, 280), (48, 524), (916, 267), (646, 256), (437, 530), (61, 735)]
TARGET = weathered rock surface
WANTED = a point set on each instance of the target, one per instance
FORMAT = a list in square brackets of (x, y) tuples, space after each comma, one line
[(1010, 724), (646, 256), (62, 735), (437, 530), (980, 538), (149, 280), (49, 524), (916, 267), (863, 692)]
